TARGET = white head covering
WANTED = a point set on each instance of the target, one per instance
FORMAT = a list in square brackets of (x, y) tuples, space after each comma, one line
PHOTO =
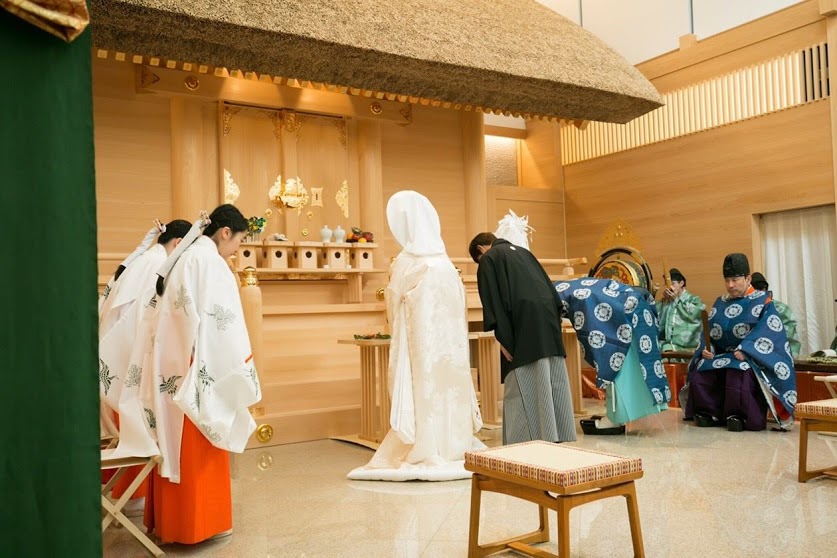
[(514, 229), (415, 224)]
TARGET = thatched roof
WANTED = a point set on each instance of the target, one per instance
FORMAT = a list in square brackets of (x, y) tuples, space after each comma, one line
[(514, 55)]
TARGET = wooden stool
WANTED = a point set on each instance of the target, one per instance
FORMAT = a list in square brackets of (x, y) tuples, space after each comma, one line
[(533, 470), (112, 511), (815, 416)]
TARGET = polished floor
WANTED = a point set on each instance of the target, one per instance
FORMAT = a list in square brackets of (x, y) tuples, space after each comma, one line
[(706, 493)]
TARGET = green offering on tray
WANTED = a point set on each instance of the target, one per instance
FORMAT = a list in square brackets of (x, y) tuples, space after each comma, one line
[(373, 336)]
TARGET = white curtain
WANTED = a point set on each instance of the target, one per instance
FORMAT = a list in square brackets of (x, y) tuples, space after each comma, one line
[(800, 266)]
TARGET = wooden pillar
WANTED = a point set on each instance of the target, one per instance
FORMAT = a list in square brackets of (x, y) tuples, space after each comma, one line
[(828, 8), (372, 203), (540, 156), (488, 370), (251, 302), (191, 165), (476, 194), (370, 174)]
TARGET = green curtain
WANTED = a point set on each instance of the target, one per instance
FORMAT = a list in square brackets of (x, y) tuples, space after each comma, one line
[(49, 400)]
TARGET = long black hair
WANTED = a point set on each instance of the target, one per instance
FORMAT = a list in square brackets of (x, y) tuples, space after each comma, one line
[(175, 229), (226, 215)]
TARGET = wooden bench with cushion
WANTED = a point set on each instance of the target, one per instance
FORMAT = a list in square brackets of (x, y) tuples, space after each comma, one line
[(815, 416), (534, 471)]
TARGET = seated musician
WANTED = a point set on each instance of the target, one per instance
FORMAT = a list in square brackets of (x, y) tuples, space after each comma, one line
[(680, 323), (760, 284), (747, 368)]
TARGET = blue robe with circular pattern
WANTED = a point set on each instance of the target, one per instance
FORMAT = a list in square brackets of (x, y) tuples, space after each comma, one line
[(608, 318), (752, 325)]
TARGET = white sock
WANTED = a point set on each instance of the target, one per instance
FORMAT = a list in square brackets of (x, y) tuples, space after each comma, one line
[(605, 422)]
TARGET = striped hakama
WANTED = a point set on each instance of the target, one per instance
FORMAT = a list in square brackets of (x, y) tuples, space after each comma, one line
[(537, 404)]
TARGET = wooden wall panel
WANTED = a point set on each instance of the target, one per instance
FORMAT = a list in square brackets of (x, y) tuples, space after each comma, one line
[(540, 156), (545, 209), (133, 159), (310, 383), (426, 156), (692, 199)]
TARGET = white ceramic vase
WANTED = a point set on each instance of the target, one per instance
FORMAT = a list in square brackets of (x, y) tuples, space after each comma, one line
[(325, 233), (339, 234)]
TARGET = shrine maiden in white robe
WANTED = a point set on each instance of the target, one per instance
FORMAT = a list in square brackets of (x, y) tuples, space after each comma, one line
[(434, 407), (120, 322), (107, 317), (199, 358), (122, 308), (119, 378)]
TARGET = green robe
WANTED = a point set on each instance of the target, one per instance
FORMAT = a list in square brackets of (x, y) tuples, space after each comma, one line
[(680, 323), (790, 325)]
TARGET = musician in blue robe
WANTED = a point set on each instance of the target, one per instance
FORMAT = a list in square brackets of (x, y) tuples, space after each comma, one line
[(748, 368), (618, 329)]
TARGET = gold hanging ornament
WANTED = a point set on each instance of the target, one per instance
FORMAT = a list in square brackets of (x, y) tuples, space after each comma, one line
[(231, 189), (292, 194), (342, 198)]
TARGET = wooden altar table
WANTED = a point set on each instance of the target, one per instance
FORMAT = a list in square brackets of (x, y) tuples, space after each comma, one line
[(374, 380)]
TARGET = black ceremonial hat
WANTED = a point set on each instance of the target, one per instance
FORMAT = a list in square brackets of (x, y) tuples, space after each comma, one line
[(759, 282), (736, 265)]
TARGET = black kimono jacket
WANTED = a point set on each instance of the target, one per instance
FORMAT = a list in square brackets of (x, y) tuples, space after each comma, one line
[(519, 305)]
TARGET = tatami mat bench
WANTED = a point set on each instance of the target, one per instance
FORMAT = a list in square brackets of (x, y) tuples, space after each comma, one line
[(815, 416), (534, 471)]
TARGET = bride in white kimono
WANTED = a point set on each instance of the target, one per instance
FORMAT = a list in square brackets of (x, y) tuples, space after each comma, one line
[(434, 408)]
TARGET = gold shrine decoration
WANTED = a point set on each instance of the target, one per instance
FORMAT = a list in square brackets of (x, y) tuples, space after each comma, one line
[(231, 189), (285, 120), (340, 124), (264, 433), (229, 112), (342, 198), (316, 197), (66, 19), (619, 233), (292, 194)]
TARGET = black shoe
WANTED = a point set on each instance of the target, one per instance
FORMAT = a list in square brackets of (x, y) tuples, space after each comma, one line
[(735, 424), (704, 420), (588, 426)]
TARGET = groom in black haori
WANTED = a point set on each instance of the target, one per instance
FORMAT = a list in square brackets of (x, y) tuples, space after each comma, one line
[(519, 306), (747, 369)]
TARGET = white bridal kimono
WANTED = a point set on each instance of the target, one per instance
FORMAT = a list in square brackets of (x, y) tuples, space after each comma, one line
[(200, 364), (434, 407)]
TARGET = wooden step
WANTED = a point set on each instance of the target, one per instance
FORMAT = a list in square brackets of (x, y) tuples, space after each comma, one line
[(307, 395), (316, 424)]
